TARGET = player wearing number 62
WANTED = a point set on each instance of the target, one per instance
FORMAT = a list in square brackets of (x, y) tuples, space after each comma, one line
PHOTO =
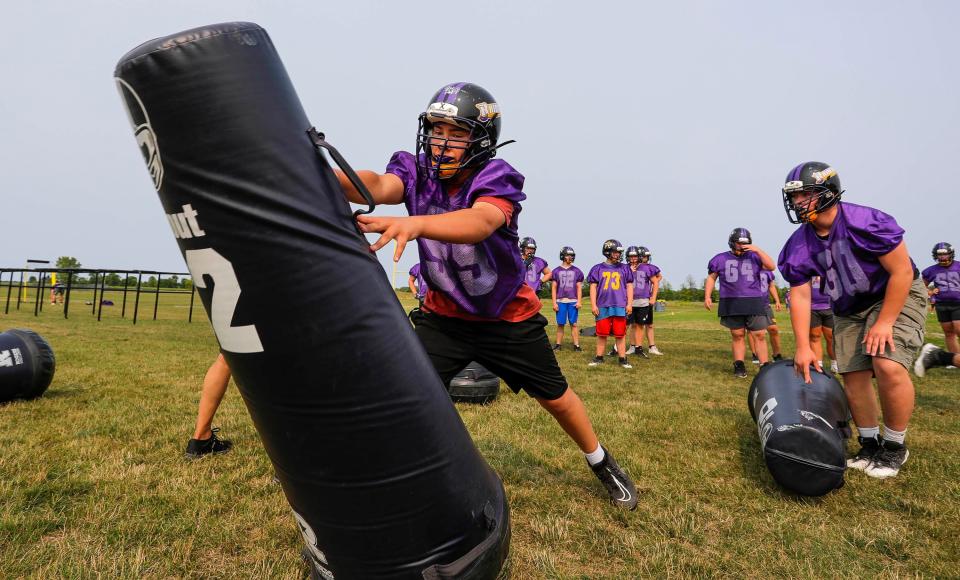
[(879, 305), (743, 295), (463, 205)]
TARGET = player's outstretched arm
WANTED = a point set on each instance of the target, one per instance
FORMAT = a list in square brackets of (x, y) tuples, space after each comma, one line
[(765, 260), (800, 319), (386, 188)]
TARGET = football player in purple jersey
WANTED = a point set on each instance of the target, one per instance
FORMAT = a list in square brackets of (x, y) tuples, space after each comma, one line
[(537, 271), (743, 296), (773, 331), (646, 285), (611, 299), (944, 275), (821, 324), (879, 305), (463, 207), (416, 283), (567, 293)]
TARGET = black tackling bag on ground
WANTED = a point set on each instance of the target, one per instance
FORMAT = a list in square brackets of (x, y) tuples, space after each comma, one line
[(380, 472), (803, 428), (27, 365)]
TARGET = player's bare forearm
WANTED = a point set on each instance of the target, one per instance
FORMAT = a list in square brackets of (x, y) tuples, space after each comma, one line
[(385, 188), (629, 293), (765, 260), (897, 264), (465, 226), (800, 314)]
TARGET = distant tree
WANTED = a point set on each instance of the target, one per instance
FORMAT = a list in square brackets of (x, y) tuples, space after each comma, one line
[(151, 281), (68, 262), (186, 283), (113, 279)]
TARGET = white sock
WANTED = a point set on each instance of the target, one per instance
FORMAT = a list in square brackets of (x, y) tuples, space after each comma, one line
[(894, 436), (868, 432), (596, 456), (820, 363)]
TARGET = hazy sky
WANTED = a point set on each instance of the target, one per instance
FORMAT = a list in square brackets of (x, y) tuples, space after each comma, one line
[(664, 124)]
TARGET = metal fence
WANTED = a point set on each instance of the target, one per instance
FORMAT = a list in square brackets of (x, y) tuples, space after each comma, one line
[(19, 279)]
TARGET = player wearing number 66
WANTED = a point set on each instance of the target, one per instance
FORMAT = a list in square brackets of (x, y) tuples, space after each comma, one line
[(879, 305), (743, 295)]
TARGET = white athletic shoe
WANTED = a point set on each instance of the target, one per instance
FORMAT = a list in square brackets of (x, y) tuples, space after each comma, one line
[(654, 350), (926, 359), (834, 367), (631, 350), (888, 460)]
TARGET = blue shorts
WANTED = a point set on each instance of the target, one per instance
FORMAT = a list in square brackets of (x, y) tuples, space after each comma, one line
[(568, 313), (608, 311)]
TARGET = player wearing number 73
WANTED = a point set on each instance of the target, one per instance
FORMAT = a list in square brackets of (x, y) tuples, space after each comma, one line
[(879, 305), (743, 295), (463, 205)]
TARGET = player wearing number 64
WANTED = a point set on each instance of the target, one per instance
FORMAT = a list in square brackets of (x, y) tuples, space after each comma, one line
[(743, 295)]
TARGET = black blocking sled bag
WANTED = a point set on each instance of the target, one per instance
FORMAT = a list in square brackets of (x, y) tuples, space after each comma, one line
[(27, 365), (379, 470), (803, 428)]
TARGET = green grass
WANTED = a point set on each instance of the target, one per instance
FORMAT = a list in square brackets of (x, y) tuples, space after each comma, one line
[(92, 482)]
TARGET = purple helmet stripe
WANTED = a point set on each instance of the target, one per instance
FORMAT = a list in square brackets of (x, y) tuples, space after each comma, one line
[(795, 174), (450, 97)]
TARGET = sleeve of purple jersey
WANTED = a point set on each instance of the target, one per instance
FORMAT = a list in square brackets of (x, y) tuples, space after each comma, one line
[(714, 266), (879, 235), (795, 262), (579, 277), (404, 166), (498, 179), (594, 276)]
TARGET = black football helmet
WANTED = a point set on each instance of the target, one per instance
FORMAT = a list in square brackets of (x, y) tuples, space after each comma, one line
[(528, 243), (568, 251), (644, 254), (739, 236), (943, 252), (633, 251), (817, 179), (469, 107), (611, 246)]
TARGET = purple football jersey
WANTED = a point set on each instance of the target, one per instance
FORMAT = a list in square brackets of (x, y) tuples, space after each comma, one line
[(818, 300), (947, 280), (421, 284), (739, 275), (566, 280), (479, 278), (533, 272), (642, 276), (611, 281), (848, 259)]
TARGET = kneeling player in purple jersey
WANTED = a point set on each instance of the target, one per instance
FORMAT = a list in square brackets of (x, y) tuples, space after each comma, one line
[(611, 298), (945, 278), (567, 293), (536, 270), (418, 286), (463, 207), (743, 297), (821, 325), (879, 305)]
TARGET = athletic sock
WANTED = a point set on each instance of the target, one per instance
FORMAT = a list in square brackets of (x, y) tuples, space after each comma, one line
[(868, 432), (894, 436), (595, 457)]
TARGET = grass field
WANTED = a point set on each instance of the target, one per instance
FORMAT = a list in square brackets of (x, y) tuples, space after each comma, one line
[(92, 480)]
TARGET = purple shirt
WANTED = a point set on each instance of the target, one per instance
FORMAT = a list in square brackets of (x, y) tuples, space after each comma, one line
[(611, 281), (533, 271), (642, 276), (566, 280), (480, 278), (848, 259), (739, 275), (818, 300), (421, 283), (946, 279)]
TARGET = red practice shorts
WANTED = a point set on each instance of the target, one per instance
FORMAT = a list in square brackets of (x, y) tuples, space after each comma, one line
[(616, 325)]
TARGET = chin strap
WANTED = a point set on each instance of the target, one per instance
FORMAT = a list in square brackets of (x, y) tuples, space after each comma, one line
[(319, 142)]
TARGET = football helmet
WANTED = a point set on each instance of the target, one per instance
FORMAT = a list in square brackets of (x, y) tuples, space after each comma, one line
[(739, 236), (633, 251), (943, 252), (644, 254), (819, 181), (611, 246), (528, 242), (469, 107), (568, 251)]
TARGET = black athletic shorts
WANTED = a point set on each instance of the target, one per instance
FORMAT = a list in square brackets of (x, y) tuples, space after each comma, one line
[(948, 311), (518, 352), (822, 318), (642, 315)]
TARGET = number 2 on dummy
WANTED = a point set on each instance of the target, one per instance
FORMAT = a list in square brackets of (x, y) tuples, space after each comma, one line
[(226, 294)]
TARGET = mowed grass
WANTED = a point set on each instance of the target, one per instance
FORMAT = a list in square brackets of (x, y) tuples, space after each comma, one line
[(92, 480)]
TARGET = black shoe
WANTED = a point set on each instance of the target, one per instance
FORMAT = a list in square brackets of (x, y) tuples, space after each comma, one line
[(613, 352), (888, 460), (641, 352), (619, 485), (597, 360), (755, 360), (625, 364), (556, 347), (777, 357), (863, 458), (577, 348), (197, 448), (739, 369)]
